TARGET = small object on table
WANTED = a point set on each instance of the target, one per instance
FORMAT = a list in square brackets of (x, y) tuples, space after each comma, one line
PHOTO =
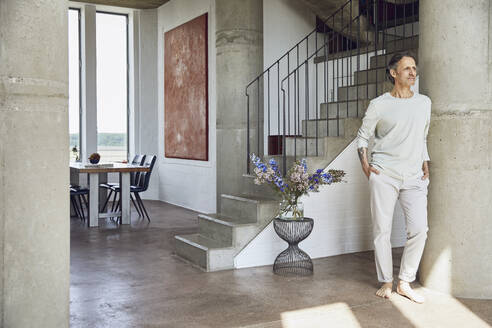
[(94, 158), (75, 153), (100, 165), (293, 260)]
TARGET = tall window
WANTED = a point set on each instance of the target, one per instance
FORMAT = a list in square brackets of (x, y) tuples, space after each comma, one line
[(112, 86), (74, 81)]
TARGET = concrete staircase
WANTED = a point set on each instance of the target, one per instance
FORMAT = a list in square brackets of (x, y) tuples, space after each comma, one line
[(221, 236), (325, 9)]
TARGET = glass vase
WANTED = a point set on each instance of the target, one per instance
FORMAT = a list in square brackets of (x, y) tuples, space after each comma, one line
[(291, 210)]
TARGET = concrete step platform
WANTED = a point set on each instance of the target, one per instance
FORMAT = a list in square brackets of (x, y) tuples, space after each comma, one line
[(222, 235), (208, 254), (245, 207), (221, 228)]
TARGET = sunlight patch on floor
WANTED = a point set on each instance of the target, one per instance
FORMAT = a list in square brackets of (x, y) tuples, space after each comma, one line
[(331, 315), (438, 309)]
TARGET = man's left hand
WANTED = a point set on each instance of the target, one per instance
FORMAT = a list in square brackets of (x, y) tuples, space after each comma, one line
[(425, 168)]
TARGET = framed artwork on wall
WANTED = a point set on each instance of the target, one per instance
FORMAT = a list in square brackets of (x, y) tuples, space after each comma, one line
[(186, 90)]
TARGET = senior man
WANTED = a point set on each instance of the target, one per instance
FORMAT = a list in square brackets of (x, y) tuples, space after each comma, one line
[(398, 170)]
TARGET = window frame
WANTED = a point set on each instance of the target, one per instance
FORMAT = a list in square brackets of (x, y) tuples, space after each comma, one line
[(79, 32), (127, 75)]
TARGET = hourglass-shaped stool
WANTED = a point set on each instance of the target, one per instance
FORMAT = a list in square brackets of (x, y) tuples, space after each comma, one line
[(293, 260)]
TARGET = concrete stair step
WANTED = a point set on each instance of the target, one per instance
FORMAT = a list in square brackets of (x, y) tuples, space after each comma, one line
[(363, 92), (250, 188), (370, 76), (409, 26), (208, 254), (251, 208), (382, 60), (221, 236), (328, 147), (221, 228), (333, 109), (401, 44), (322, 128), (304, 146)]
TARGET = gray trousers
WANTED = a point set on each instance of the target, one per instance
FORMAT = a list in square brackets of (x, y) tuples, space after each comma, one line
[(412, 194)]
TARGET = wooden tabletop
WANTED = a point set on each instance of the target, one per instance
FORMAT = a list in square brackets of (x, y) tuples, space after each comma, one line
[(117, 167)]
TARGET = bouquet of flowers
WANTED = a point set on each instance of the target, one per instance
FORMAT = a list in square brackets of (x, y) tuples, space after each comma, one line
[(296, 183)]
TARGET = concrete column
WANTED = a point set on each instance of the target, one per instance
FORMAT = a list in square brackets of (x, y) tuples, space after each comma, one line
[(34, 156), (455, 68), (239, 46)]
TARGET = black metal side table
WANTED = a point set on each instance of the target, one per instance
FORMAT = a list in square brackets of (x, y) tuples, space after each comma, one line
[(293, 260)]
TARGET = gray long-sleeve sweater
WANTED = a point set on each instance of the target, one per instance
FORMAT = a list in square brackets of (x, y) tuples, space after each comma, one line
[(400, 127)]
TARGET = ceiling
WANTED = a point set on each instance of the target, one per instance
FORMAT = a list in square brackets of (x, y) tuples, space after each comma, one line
[(137, 4)]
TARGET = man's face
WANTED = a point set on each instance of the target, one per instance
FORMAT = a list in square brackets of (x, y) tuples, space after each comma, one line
[(405, 73)]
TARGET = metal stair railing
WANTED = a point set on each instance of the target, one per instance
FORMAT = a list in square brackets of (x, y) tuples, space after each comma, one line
[(316, 75)]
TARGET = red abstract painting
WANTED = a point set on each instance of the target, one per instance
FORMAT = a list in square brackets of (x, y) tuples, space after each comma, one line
[(186, 90)]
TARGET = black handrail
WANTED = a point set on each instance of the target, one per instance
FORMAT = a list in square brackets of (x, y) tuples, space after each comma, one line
[(295, 46), (338, 45)]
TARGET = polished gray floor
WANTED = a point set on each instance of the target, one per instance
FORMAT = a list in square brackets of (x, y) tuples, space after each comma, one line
[(128, 277)]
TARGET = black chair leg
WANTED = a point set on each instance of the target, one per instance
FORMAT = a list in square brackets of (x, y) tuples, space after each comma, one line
[(118, 208), (107, 201), (81, 207), (114, 203), (141, 204), (135, 205), (75, 207), (140, 207), (86, 200)]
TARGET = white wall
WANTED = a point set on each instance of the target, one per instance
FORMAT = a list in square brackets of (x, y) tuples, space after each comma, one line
[(147, 111), (285, 23), (342, 220), (187, 183)]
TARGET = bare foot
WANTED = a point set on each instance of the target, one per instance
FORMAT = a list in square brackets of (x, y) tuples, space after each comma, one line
[(404, 289), (385, 290)]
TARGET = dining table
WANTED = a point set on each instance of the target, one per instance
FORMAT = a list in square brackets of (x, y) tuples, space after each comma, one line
[(93, 171)]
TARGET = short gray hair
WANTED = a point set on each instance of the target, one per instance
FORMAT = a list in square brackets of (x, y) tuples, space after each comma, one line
[(395, 59)]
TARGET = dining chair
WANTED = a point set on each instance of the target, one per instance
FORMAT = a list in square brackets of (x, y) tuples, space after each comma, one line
[(134, 179), (77, 194), (142, 185)]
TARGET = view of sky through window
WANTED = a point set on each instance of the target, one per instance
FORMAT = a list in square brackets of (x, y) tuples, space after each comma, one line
[(112, 85), (74, 82), (111, 44)]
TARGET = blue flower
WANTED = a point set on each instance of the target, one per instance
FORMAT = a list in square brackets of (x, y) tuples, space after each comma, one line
[(274, 165), (318, 171), (303, 164), (328, 178)]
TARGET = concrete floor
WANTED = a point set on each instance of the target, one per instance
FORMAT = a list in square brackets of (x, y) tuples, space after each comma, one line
[(129, 277)]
